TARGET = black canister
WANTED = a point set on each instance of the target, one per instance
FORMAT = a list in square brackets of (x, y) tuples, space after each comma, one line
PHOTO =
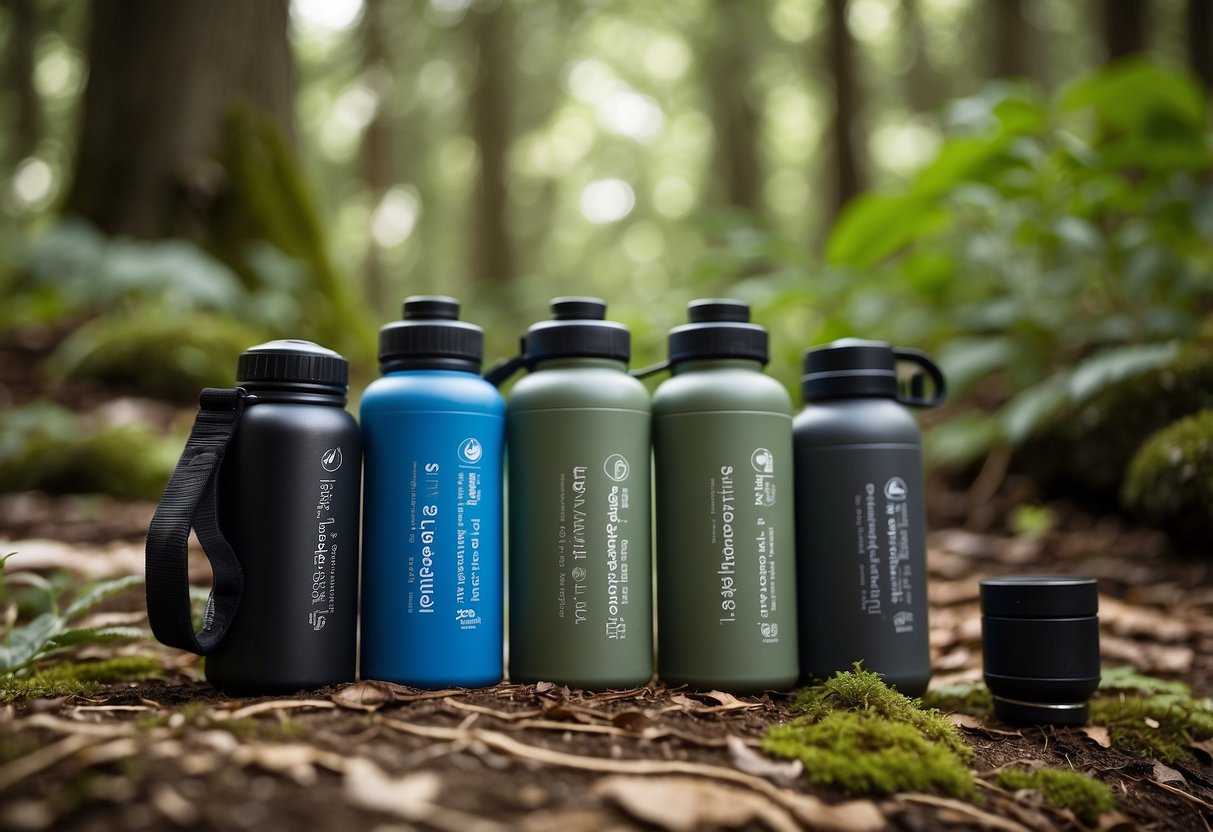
[(1040, 645)]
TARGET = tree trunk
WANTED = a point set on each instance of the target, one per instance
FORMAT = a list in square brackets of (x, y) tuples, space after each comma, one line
[(492, 252), (1200, 41), (1125, 25), (378, 142), (1010, 40), (848, 178), (923, 84), (163, 77), (734, 117), (19, 70)]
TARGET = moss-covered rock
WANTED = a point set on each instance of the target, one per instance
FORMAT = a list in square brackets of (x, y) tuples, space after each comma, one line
[(1063, 789), (154, 354), (1170, 481), (1087, 446), (857, 734), (45, 447)]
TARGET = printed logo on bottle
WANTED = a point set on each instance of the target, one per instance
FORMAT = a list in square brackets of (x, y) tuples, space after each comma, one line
[(763, 461), (330, 460), (470, 450), (317, 620), (616, 467), (895, 489), (903, 622)]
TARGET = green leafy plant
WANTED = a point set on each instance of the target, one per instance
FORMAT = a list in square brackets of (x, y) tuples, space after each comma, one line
[(1059, 247), (857, 734), (48, 633)]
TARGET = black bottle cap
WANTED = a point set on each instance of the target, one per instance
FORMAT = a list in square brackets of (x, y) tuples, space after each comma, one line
[(293, 363), (718, 328), (1039, 596), (855, 368), (430, 337), (578, 329), (1040, 647)]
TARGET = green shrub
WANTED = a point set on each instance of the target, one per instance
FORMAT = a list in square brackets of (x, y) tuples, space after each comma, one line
[(48, 448), (154, 354), (1170, 480)]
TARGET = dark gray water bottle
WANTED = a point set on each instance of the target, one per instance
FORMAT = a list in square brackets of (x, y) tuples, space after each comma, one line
[(270, 480), (860, 521)]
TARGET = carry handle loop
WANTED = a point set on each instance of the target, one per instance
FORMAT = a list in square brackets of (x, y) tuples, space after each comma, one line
[(191, 501), (501, 372), (939, 392), (651, 370)]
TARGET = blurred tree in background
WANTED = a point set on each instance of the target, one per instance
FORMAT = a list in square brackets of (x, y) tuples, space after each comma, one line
[(1022, 185)]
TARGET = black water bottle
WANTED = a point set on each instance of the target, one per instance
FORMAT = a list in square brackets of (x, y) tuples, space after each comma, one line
[(270, 480), (860, 519)]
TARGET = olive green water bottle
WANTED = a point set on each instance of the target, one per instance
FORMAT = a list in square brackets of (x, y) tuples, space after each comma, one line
[(577, 438), (722, 440)]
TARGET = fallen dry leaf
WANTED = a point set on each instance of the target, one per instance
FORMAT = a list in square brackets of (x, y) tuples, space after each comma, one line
[(634, 721), (367, 695), (1135, 620), (784, 772), (1203, 749), (1166, 774), (409, 797), (683, 804), (1099, 733), (1147, 657), (972, 723)]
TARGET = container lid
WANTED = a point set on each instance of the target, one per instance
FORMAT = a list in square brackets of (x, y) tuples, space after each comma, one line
[(855, 368), (718, 328), (430, 336), (1039, 596), (293, 362), (578, 329)]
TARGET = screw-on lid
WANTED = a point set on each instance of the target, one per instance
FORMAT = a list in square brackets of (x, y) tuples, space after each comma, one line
[(431, 336), (1039, 596), (855, 368), (718, 328), (578, 329), (292, 362)]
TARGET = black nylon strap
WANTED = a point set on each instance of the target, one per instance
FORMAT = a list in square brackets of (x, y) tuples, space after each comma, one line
[(191, 501)]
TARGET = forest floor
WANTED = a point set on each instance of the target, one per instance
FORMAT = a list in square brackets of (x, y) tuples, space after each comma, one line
[(172, 753)]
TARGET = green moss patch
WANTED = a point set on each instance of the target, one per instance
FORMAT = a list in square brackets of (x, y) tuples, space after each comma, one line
[(965, 697), (1170, 481), (857, 734), (77, 678), (1064, 789), (1157, 726)]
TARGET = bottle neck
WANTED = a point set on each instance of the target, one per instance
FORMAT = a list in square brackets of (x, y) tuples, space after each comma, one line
[(293, 394), (700, 365), (579, 363)]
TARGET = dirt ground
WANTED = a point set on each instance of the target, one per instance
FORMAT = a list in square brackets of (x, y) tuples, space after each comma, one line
[(172, 753)]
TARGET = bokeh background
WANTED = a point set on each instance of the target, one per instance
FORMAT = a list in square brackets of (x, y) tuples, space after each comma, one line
[(1022, 187)]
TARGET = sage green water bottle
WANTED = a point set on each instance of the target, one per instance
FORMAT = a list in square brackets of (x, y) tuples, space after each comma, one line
[(577, 438), (722, 440)]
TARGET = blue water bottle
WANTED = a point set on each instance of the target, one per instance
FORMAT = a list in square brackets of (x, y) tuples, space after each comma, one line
[(432, 543)]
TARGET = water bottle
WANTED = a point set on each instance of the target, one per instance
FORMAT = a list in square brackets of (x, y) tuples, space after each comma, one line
[(860, 522), (577, 428), (270, 480), (432, 547), (726, 565)]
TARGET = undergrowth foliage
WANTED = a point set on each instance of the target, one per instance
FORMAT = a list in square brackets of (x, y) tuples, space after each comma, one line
[(857, 734), (53, 630)]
